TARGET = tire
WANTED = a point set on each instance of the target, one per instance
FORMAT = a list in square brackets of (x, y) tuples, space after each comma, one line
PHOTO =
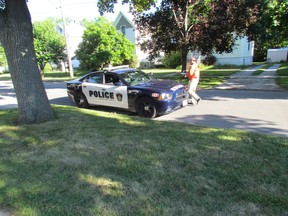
[(145, 107), (81, 100)]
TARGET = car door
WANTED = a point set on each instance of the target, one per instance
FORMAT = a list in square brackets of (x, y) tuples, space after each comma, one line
[(100, 91)]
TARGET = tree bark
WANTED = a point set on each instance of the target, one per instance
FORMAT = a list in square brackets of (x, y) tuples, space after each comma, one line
[(184, 52), (17, 39)]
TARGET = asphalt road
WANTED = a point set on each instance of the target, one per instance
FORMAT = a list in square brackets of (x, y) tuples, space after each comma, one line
[(252, 110)]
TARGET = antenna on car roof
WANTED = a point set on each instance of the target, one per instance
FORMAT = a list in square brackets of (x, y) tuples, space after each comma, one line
[(116, 67)]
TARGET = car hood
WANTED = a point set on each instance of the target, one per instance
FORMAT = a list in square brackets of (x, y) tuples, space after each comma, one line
[(162, 85)]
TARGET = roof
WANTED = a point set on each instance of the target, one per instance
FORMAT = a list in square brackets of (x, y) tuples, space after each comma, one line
[(122, 15)]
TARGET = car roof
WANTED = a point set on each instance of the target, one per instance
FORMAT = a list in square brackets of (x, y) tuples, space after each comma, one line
[(117, 71), (124, 70)]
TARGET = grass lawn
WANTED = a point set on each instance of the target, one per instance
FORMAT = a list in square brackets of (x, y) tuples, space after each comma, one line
[(88, 162), (282, 73), (209, 76)]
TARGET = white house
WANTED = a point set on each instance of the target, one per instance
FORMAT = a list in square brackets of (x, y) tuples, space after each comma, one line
[(242, 54), (277, 55)]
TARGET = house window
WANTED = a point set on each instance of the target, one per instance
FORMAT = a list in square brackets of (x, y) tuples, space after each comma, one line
[(123, 30), (249, 44)]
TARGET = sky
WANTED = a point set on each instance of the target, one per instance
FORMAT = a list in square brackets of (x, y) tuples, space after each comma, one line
[(74, 9)]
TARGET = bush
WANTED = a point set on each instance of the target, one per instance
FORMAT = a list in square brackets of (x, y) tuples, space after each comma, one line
[(172, 60), (48, 68), (209, 60), (134, 62)]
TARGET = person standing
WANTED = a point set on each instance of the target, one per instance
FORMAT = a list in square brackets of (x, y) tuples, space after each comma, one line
[(193, 76)]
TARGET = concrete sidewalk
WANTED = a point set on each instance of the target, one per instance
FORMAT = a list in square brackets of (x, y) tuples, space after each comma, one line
[(245, 80)]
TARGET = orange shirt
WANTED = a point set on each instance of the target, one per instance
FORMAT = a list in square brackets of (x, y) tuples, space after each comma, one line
[(194, 71)]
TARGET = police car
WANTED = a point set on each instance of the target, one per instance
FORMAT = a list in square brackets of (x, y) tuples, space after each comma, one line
[(129, 89)]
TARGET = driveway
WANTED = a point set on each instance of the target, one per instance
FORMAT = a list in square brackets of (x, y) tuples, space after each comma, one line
[(243, 102)]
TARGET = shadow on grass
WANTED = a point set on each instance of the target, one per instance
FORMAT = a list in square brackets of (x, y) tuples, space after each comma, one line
[(89, 162)]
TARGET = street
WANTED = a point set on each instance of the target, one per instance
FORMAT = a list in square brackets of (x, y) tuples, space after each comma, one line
[(252, 110), (256, 111)]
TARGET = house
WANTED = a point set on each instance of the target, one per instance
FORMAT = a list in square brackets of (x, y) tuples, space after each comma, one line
[(277, 55), (242, 54), (123, 24)]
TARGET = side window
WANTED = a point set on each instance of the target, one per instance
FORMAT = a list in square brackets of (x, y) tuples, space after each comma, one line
[(95, 78), (111, 79)]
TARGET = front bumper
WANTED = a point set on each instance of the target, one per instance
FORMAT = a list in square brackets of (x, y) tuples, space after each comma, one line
[(165, 107)]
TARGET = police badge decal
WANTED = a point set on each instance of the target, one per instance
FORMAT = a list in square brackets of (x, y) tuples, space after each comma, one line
[(119, 97)]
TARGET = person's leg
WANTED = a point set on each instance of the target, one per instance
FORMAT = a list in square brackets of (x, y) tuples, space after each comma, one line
[(193, 88), (190, 91)]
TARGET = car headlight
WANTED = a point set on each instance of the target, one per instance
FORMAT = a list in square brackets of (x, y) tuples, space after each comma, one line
[(165, 96)]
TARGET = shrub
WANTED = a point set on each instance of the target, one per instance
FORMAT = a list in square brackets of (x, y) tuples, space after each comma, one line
[(209, 60), (134, 62), (172, 60), (48, 68)]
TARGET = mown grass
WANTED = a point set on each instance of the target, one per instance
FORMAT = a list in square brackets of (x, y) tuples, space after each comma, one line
[(88, 162), (210, 76), (282, 79), (61, 76)]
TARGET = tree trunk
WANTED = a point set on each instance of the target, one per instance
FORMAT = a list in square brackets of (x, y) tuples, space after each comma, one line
[(184, 52), (17, 39)]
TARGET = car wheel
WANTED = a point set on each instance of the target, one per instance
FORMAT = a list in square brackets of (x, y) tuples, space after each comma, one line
[(81, 100), (145, 108)]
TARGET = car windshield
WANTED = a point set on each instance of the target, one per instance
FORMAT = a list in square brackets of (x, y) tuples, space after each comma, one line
[(136, 77)]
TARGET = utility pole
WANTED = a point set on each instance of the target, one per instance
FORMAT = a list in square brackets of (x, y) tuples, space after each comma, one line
[(66, 42)]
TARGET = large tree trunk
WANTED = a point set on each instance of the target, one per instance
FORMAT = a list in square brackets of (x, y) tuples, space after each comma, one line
[(184, 53), (17, 39)]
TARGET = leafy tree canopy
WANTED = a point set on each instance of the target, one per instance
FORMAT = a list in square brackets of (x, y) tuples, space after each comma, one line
[(271, 30), (201, 25), (103, 44), (49, 44), (137, 5)]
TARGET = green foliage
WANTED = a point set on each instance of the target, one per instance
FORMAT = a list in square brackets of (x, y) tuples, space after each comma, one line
[(209, 60), (102, 45), (282, 73), (172, 60), (49, 44), (134, 62), (271, 30), (195, 25), (137, 5), (3, 60)]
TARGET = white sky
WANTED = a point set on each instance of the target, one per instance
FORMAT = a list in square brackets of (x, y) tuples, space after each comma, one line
[(74, 9)]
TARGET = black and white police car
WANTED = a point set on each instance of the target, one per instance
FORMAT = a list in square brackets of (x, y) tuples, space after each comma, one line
[(130, 89)]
